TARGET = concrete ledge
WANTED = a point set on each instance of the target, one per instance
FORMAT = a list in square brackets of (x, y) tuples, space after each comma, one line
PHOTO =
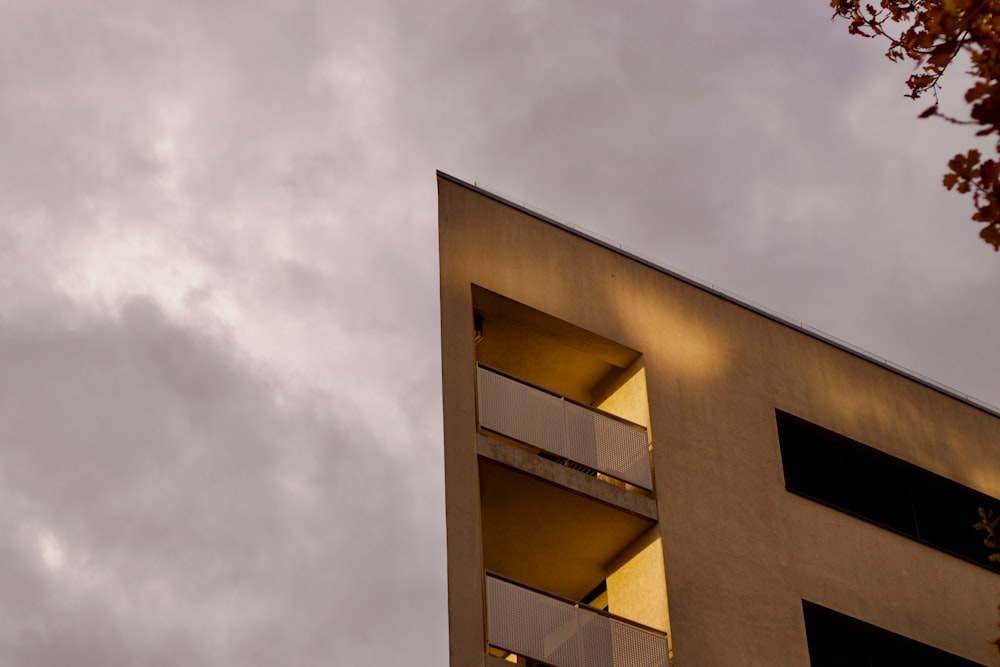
[(574, 480)]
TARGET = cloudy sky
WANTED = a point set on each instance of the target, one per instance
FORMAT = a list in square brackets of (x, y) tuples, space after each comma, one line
[(219, 367)]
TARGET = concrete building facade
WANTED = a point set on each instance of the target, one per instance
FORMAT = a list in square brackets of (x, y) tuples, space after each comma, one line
[(643, 471)]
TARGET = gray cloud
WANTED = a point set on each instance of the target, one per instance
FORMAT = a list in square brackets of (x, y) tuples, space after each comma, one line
[(160, 501)]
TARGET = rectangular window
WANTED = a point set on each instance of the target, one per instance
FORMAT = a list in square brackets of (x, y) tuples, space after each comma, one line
[(836, 640), (889, 492)]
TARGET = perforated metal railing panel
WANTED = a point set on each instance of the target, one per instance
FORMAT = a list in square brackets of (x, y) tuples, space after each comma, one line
[(533, 625), (563, 428), (607, 445), (558, 633), (521, 412), (635, 647), (595, 640)]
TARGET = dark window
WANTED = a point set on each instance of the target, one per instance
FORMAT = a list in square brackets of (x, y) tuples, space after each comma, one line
[(836, 640), (855, 478)]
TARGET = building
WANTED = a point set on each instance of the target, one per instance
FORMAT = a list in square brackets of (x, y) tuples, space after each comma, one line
[(637, 465)]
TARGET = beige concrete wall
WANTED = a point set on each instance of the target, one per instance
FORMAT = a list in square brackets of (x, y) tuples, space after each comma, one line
[(637, 589), (627, 398), (740, 552), (465, 574)]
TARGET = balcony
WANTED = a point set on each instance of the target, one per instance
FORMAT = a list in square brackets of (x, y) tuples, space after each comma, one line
[(540, 626), (586, 438)]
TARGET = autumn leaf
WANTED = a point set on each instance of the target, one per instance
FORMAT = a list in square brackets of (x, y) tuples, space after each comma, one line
[(977, 91), (931, 34)]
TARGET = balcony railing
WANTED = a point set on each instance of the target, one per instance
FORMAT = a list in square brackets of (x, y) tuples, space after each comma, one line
[(562, 427), (559, 632)]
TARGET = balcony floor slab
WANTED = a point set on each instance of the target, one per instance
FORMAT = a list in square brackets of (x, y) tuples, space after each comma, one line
[(630, 501)]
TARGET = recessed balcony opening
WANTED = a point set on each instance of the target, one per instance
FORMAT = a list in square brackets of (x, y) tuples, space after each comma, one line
[(570, 580), (533, 628), (560, 391)]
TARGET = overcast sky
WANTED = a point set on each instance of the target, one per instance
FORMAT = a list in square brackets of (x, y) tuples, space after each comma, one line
[(219, 366)]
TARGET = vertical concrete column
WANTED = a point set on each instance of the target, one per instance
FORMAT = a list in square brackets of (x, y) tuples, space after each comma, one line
[(462, 504)]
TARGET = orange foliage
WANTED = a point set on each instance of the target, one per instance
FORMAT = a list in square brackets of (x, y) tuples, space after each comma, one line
[(931, 33)]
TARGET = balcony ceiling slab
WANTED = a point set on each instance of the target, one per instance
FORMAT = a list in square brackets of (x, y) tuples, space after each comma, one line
[(545, 350), (548, 536)]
